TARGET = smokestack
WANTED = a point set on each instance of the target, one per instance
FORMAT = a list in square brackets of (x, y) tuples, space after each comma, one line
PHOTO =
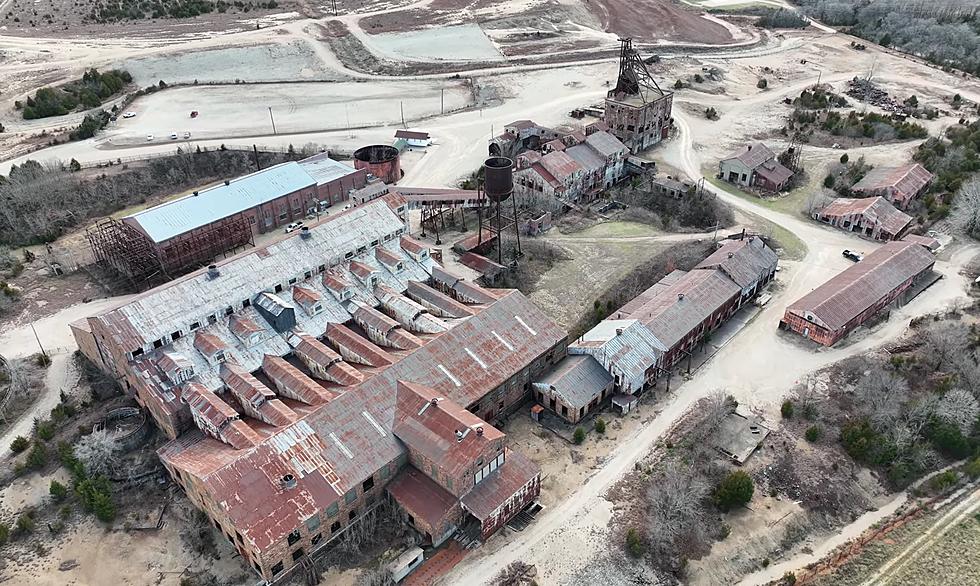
[(213, 272), (680, 297)]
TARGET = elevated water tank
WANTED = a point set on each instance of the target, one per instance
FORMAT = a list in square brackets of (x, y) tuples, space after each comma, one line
[(498, 178)]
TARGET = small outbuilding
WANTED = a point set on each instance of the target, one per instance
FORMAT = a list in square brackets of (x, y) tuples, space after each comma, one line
[(414, 138), (574, 387)]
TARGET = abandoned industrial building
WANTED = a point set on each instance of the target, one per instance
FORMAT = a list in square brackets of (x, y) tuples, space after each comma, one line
[(755, 165), (894, 273), (899, 185), (300, 381), (871, 217), (645, 338), (190, 231), (637, 111)]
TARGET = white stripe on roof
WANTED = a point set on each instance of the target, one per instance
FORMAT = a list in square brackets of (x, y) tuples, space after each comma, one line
[(374, 423), (482, 364), (449, 374), (502, 341), (342, 447), (526, 327)]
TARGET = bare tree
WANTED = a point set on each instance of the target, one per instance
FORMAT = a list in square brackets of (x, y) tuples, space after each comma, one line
[(96, 452), (941, 342), (881, 393), (960, 408), (966, 209), (676, 508)]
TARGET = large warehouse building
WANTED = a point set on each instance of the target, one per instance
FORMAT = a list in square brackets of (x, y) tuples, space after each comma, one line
[(832, 310), (301, 381), (185, 233)]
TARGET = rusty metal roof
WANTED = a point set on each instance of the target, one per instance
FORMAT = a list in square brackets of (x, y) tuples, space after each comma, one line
[(928, 241), (495, 490), (606, 144), (851, 292), (682, 306), (906, 179), (436, 301), (481, 264), (560, 165), (208, 344), (344, 339), (292, 383), (752, 155), (422, 497), (745, 261), (874, 209)]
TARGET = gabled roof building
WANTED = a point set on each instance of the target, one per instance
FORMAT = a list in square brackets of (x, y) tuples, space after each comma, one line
[(288, 423), (899, 185), (871, 217)]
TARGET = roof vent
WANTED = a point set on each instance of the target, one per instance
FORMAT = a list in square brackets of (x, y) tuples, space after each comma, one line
[(195, 194), (619, 331), (730, 254), (227, 182), (459, 435), (479, 430), (304, 233), (289, 481), (680, 297), (435, 401), (213, 272)]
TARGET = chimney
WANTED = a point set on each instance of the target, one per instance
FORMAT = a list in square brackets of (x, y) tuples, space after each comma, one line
[(750, 147), (304, 233), (435, 401), (680, 297), (289, 482), (459, 435), (227, 182), (213, 272), (619, 331), (479, 430), (731, 254), (195, 194)]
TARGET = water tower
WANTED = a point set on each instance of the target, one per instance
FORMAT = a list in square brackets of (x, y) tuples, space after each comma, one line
[(498, 186)]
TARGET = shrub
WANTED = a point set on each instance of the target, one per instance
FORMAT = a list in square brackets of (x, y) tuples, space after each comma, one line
[(579, 435), (44, 429), (948, 440), (678, 84), (787, 409), (25, 524), (38, 456), (58, 491), (4, 533), (734, 491), (763, 84), (698, 78), (19, 444), (828, 181), (634, 543), (96, 497), (600, 426), (844, 158), (972, 468), (711, 113), (942, 481), (41, 359), (789, 579), (813, 433)]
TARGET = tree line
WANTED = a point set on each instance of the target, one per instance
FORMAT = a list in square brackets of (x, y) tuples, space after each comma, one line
[(87, 92)]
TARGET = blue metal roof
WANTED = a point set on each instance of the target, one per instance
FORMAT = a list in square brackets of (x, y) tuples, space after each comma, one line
[(176, 217)]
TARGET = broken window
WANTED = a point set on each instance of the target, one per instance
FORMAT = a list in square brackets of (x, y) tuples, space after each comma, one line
[(195, 325), (278, 288), (367, 484), (335, 527), (137, 352), (293, 537), (298, 554), (333, 509), (175, 336), (157, 343), (277, 568), (316, 538), (352, 514), (212, 319), (351, 496)]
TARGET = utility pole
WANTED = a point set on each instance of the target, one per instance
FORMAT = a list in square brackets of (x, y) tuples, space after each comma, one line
[(401, 106), (45, 354), (273, 121), (335, 7), (442, 101), (347, 111)]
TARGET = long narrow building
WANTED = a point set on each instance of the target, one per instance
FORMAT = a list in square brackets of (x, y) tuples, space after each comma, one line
[(301, 381)]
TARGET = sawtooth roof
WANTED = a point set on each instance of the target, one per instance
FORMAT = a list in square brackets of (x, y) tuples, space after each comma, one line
[(176, 217), (860, 286)]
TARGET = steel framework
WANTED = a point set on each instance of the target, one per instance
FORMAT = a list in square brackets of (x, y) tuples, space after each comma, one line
[(634, 78)]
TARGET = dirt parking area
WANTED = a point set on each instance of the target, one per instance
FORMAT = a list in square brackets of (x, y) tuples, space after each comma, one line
[(657, 20), (243, 110)]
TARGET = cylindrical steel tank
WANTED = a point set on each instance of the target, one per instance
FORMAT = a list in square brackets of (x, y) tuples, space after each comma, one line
[(498, 178), (380, 160)]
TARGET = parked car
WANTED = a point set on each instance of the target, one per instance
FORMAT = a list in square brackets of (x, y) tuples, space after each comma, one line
[(129, 114), (173, 136), (149, 137), (851, 255), (293, 227), (193, 113), (187, 135)]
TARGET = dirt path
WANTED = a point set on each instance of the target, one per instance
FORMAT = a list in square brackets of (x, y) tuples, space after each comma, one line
[(892, 569)]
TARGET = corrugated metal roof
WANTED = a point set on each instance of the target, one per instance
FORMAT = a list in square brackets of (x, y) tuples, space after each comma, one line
[(744, 261), (422, 497), (172, 218), (577, 380), (624, 347), (606, 144), (907, 179), (774, 172), (497, 488), (860, 286), (752, 155), (685, 304), (587, 157), (323, 169), (874, 209), (560, 165)]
